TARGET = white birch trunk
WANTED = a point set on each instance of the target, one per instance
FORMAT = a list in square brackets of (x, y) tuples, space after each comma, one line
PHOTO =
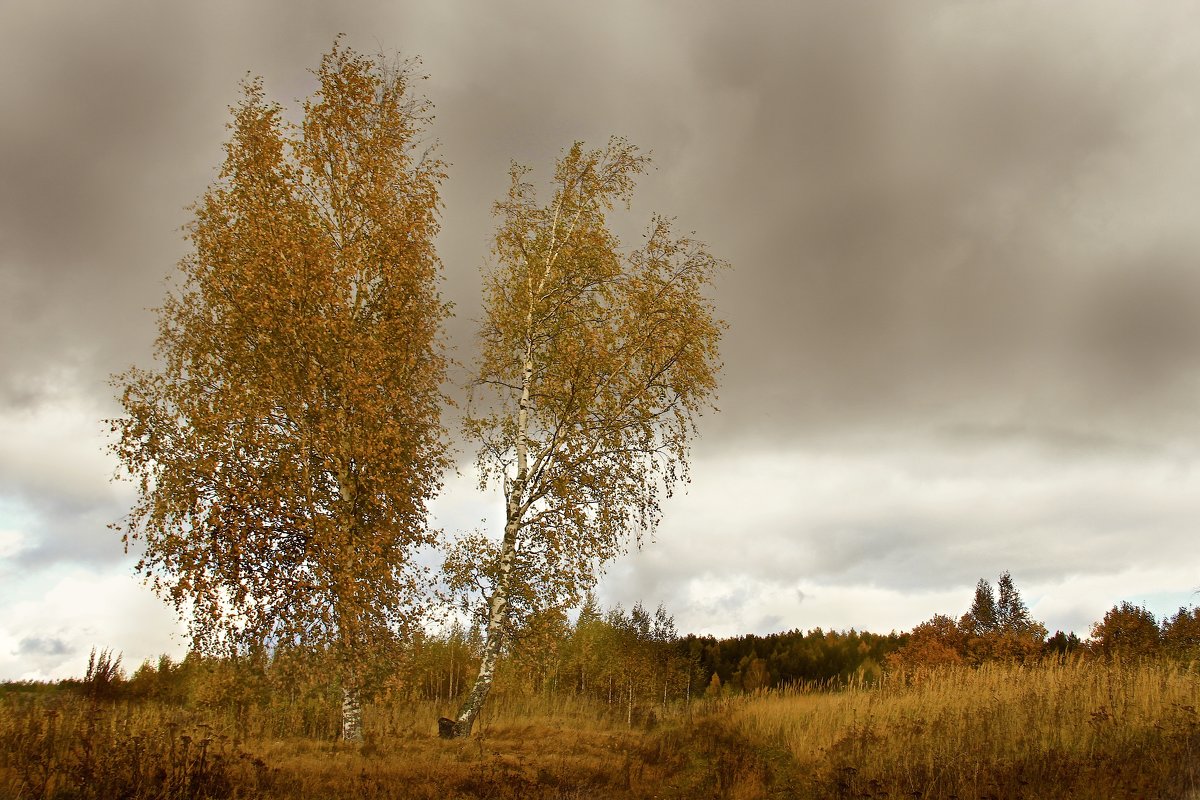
[(498, 608), (497, 619), (351, 713)]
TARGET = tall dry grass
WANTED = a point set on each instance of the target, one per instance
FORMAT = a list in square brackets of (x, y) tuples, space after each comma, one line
[(56, 745), (1080, 730)]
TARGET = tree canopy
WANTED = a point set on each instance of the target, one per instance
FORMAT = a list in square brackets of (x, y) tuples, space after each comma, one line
[(287, 442), (595, 364), (997, 626)]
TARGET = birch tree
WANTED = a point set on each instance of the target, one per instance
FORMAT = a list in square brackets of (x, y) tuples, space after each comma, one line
[(287, 443), (595, 364)]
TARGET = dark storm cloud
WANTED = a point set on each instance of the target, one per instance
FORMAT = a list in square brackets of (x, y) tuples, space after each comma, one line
[(83, 223), (919, 203), (114, 115), (968, 221), (904, 192)]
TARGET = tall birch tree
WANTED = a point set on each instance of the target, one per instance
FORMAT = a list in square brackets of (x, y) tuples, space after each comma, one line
[(595, 364), (287, 443)]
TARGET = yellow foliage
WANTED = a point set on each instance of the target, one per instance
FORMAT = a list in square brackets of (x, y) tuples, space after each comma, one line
[(287, 445)]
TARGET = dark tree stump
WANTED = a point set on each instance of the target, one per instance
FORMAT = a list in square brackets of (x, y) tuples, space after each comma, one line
[(446, 728)]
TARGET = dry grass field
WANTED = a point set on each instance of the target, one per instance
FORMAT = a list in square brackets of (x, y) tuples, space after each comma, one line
[(1082, 730), (1086, 729)]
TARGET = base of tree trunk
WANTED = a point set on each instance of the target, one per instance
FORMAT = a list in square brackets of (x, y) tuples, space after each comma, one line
[(453, 729)]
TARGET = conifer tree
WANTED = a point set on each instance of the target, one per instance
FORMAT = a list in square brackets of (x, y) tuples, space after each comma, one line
[(1011, 614), (982, 618)]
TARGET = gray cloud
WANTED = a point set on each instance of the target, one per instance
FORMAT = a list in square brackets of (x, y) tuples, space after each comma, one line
[(904, 206), (955, 227), (42, 646), (908, 518), (64, 536), (909, 197)]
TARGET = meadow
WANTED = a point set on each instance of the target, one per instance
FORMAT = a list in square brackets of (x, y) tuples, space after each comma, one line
[(1086, 728)]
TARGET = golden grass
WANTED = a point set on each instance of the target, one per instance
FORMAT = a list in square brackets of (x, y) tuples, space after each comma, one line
[(1083, 730)]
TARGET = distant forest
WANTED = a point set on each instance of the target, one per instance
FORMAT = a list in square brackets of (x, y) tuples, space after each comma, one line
[(633, 661)]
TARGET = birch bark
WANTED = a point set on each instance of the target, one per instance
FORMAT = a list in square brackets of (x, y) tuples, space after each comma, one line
[(498, 607), (351, 712)]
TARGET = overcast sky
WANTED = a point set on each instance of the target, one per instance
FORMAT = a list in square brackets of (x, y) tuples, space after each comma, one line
[(964, 310)]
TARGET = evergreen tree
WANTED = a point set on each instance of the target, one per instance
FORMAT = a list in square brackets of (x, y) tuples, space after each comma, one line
[(1012, 616), (982, 618), (1062, 644)]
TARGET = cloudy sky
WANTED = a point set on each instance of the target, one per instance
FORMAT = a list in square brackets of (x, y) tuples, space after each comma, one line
[(964, 314)]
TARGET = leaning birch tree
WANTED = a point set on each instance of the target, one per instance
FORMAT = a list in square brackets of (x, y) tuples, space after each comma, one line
[(286, 446), (594, 365)]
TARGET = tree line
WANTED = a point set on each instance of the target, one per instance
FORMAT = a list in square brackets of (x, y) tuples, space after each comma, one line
[(628, 665), (999, 627)]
